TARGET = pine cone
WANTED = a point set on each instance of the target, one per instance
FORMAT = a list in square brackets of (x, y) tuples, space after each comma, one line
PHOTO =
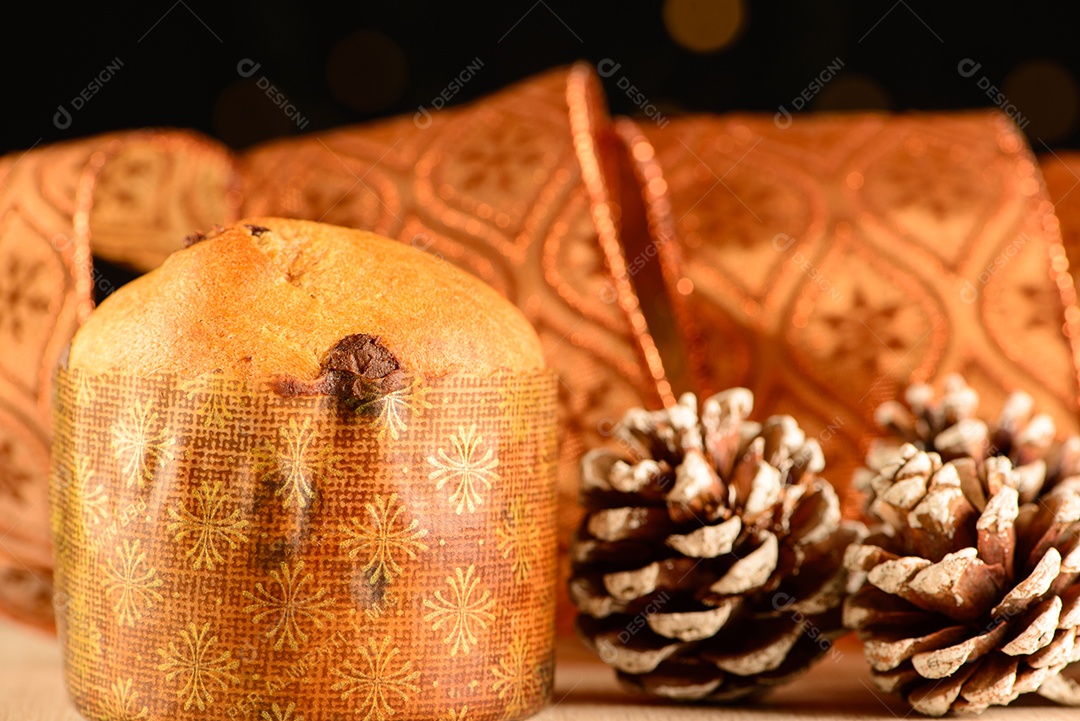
[(967, 592), (710, 562), (948, 425)]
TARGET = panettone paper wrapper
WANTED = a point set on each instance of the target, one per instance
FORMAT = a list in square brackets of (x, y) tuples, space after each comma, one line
[(227, 552)]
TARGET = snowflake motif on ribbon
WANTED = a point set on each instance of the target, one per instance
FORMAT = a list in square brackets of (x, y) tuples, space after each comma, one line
[(139, 449), (207, 525), (288, 605), (380, 683), (383, 538), (464, 611), (195, 663), (133, 585), (467, 468)]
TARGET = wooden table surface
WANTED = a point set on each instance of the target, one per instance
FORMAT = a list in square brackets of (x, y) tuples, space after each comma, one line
[(31, 689)]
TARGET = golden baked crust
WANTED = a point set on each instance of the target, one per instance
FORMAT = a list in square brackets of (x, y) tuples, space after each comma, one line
[(270, 297)]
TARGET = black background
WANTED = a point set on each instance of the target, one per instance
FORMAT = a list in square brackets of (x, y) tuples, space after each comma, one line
[(352, 62)]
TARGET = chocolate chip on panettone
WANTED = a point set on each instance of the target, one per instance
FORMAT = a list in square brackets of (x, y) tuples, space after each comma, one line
[(355, 369)]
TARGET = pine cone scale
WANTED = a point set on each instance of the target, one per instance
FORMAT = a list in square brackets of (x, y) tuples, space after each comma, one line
[(996, 530), (630, 523), (870, 604), (937, 699), (1031, 588), (765, 657), (672, 575), (815, 515), (1058, 652), (707, 541), (944, 662), (1061, 689), (889, 648), (1038, 629), (693, 625), (1070, 611), (750, 571), (993, 682)]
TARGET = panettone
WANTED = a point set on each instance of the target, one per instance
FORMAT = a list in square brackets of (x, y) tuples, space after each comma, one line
[(268, 297), (306, 470)]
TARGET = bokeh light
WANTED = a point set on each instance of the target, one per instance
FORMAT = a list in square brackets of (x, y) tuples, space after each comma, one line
[(704, 26), (367, 71), (1045, 94), (853, 91)]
